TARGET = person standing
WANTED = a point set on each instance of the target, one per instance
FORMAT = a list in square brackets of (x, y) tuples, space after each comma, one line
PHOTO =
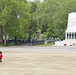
[(1, 56)]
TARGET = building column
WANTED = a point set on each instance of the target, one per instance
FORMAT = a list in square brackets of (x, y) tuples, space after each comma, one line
[(71, 36), (67, 35), (74, 35)]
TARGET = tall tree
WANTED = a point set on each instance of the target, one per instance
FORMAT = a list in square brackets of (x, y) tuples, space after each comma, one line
[(33, 26), (52, 16), (14, 17)]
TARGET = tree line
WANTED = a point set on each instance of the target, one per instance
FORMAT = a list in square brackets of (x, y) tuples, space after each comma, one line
[(23, 19)]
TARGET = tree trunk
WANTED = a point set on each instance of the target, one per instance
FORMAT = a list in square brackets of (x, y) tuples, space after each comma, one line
[(1, 32), (5, 37), (15, 40)]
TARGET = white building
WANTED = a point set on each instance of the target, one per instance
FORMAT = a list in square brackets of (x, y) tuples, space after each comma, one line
[(70, 33)]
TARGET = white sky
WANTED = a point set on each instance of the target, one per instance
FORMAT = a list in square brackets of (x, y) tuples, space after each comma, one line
[(33, 0)]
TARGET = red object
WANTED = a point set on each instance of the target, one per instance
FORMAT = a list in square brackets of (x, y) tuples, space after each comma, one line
[(70, 45), (1, 56), (64, 44)]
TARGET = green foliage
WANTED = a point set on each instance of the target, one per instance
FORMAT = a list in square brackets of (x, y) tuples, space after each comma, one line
[(32, 30), (22, 19), (52, 16), (14, 17)]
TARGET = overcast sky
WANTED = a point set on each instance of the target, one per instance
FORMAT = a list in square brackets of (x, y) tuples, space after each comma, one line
[(33, 0)]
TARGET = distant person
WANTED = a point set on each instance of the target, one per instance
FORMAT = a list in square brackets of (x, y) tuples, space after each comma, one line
[(1, 56)]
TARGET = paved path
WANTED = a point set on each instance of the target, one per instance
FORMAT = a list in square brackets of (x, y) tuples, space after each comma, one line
[(34, 60), (42, 48)]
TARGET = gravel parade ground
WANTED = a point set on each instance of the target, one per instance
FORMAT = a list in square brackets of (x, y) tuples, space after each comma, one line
[(35, 60)]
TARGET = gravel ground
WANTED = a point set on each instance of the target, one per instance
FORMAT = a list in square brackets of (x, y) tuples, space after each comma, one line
[(34, 60)]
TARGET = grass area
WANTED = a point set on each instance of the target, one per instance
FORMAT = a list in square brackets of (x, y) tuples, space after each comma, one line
[(8, 44), (1, 44), (46, 44)]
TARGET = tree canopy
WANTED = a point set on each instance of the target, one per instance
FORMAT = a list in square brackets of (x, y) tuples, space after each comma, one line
[(14, 18), (26, 19), (52, 16)]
